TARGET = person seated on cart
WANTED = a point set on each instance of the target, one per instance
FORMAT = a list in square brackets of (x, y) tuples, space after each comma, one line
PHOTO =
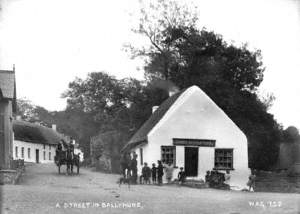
[(58, 150), (72, 145), (61, 149)]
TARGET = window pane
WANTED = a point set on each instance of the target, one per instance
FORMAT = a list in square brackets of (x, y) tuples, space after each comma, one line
[(168, 154), (224, 158)]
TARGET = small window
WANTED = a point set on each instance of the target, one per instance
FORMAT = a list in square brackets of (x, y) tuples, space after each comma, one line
[(141, 155), (224, 158), (22, 152), (28, 151), (168, 154), (49, 155), (44, 155), (49, 147), (44, 146), (16, 151)]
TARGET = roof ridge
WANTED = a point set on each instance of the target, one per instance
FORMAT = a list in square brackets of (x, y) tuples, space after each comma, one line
[(7, 71), (35, 133), (153, 120)]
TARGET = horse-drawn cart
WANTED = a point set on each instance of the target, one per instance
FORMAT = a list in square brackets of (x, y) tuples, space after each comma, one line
[(67, 158)]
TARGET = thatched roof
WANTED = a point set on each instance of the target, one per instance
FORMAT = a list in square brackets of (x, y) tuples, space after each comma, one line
[(35, 133), (141, 135)]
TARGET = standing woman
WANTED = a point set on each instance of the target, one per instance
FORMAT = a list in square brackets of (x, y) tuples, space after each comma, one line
[(169, 172)]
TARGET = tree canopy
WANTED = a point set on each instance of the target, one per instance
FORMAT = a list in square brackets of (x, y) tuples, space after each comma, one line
[(178, 55), (231, 75)]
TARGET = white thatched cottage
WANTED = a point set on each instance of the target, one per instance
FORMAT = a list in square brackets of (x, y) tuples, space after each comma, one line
[(34, 143), (191, 131)]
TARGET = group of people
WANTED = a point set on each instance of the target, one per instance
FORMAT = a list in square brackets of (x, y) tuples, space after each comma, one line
[(216, 179), (154, 174), (129, 170), (62, 147)]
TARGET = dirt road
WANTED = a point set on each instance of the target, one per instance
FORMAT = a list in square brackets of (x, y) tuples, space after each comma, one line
[(43, 190)]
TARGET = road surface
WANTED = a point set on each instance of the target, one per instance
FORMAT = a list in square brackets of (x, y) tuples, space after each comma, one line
[(43, 190)]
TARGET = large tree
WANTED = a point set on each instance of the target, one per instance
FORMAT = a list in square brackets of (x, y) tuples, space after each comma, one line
[(180, 53), (109, 104)]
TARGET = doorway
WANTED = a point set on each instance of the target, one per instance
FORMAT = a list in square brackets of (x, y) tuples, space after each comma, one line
[(37, 157), (191, 161)]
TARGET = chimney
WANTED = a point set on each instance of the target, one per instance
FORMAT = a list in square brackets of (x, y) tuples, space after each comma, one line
[(173, 90), (54, 127), (171, 93), (154, 108)]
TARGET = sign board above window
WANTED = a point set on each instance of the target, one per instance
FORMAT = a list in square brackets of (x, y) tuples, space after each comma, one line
[(194, 142)]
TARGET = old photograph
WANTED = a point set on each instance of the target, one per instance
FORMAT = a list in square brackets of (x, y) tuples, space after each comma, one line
[(149, 106)]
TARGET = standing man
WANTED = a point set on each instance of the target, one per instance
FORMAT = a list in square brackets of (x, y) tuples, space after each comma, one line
[(160, 172), (125, 163), (133, 167), (72, 145), (154, 172)]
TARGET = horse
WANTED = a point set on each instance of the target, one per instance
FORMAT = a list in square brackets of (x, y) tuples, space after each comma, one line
[(69, 158)]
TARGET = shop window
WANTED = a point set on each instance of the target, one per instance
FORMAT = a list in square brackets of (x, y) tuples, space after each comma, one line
[(223, 158), (44, 155), (49, 155), (28, 151), (168, 154)]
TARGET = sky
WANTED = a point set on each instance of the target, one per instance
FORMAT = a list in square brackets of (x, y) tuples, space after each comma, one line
[(53, 41)]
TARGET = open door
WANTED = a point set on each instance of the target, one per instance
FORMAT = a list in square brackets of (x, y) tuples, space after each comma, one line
[(191, 161), (37, 156)]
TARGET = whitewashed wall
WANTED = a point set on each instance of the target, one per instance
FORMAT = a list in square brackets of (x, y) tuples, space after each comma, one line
[(146, 156), (79, 151), (195, 116), (33, 146)]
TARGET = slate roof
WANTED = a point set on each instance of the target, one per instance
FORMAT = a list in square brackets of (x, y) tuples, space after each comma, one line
[(7, 84), (141, 135), (34, 133)]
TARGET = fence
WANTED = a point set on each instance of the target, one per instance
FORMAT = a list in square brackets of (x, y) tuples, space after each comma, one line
[(17, 164)]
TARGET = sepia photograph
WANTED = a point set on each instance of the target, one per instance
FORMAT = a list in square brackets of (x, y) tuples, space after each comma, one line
[(149, 106)]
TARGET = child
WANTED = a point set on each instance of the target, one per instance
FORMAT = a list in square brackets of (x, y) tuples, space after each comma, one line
[(207, 177), (153, 171), (251, 182), (227, 177), (227, 180), (146, 173), (181, 176)]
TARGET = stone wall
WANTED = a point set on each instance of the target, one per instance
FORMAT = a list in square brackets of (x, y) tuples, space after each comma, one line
[(10, 176), (6, 134)]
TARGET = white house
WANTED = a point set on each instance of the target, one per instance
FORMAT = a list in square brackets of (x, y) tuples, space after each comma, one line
[(79, 151), (191, 131), (34, 142)]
